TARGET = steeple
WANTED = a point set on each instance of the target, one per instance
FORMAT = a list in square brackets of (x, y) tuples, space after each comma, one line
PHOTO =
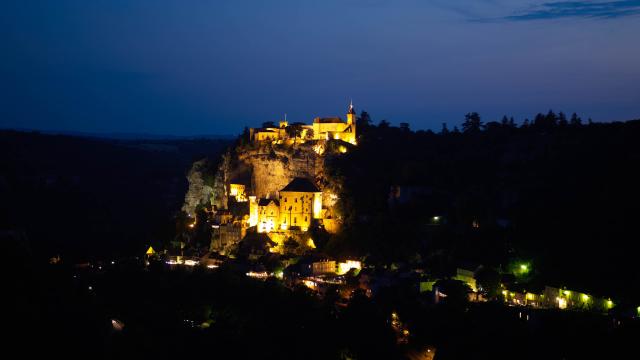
[(351, 114)]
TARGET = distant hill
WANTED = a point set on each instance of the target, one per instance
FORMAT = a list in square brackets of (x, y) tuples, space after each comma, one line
[(127, 136), (94, 196)]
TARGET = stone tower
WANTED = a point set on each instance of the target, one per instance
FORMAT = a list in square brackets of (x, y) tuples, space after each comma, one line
[(351, 115)]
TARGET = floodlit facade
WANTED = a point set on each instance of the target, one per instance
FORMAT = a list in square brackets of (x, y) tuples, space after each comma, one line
[(322, 128), (298, 204), (238, 192), (268, 214)]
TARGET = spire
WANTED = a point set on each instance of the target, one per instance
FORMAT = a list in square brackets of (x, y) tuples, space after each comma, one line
[(351, 109)]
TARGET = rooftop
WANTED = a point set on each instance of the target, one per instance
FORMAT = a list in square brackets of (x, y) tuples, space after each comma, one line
[(301, 185), (327, 120), (266, 202)]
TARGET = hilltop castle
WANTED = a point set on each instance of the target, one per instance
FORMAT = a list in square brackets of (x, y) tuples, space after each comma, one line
[(330, 128), (271, 192)]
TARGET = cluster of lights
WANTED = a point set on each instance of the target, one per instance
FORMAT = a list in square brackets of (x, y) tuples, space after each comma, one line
[(179, 261), (310, 284), (258, 275)]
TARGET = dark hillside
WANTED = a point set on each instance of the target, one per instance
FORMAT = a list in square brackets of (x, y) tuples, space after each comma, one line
[(566, 197), (82, 197)]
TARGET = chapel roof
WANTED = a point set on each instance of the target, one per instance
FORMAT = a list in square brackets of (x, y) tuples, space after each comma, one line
[(301, 185)]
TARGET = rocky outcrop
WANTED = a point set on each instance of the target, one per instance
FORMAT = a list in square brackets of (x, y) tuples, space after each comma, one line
[(264, 169), (271, 172), (200, 192)]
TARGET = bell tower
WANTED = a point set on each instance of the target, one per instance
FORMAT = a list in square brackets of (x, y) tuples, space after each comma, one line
[(351, 114)]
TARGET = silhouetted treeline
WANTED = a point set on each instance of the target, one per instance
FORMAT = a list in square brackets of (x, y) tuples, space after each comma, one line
[(558, 191)]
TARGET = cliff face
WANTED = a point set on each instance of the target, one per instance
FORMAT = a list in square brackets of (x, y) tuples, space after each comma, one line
[(199, 191), (273, 170), (264, 169)]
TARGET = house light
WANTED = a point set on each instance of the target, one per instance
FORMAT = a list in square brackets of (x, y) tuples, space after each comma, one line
[(344, 267), (562, 303)]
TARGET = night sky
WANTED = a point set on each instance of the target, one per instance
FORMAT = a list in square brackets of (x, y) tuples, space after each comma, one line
[(210, 67)]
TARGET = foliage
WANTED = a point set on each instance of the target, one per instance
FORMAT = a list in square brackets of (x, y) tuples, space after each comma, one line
[(502, 191)]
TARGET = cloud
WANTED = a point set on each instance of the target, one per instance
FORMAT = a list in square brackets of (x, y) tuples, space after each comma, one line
[(578, 9)]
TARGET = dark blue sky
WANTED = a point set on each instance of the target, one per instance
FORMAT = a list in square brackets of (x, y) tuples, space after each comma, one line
[(189, 67)]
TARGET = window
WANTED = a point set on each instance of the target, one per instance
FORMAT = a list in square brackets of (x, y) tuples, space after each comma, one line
[(295, 219)]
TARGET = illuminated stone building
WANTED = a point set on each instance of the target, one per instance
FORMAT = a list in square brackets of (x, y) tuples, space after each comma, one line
[(298, 204), (268, 214), (327, 128), (238, 192)]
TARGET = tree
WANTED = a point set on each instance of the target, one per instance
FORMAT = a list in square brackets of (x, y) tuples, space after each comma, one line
[(404, 127), (245, 137), (492, 126), (456, 292), (364, 120), (575, 120), (294, 131), (489, 279), (310, 133), (472, 123), (562, 119), (384, 124)]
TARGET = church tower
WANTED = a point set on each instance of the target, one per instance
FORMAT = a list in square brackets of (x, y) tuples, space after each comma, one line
[(351, 124), (351, 115)]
